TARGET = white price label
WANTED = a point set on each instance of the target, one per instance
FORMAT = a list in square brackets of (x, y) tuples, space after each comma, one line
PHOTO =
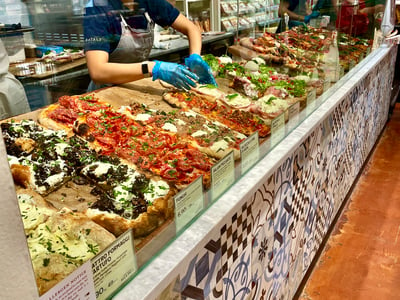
[(249, 152), (188, 203), (277, 129), (114, 265), (222, 175)]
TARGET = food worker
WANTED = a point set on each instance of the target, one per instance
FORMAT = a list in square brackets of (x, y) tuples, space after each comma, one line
[(297, 11), (119, 36), (374, 10), (13, 100)]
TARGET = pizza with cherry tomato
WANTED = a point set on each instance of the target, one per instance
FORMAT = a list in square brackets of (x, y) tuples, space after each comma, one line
[(210, 137), (111, 132)]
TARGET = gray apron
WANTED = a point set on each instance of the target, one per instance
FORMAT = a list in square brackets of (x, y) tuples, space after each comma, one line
[(134, 46), (13, 100)]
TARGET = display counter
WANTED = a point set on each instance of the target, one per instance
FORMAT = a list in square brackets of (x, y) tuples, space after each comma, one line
[(221, 192), (260, 237)]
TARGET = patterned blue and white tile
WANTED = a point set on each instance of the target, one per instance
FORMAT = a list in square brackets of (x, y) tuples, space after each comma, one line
[(282, 219), (237, 281), (262, 238), (200, 280)]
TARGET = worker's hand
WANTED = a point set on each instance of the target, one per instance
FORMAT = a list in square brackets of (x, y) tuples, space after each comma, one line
[(197, 65), (313, 15), (175, 74)]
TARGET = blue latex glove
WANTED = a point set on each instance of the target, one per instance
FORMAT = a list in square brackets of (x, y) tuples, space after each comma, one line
[(175, 74), (313, 15), (197, 65)]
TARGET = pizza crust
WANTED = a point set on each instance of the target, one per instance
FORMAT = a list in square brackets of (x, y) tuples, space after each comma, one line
[(173, 100), (49, 123)]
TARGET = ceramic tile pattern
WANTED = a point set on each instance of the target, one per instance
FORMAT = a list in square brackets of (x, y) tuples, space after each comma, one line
[(361, 257)]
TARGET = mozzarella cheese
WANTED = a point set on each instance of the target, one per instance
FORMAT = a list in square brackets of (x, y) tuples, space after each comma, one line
[(199, 133), (190, 113), (221, 145), (170, 127), (237, 100), (142, 117), (60, 148), (225, 60), (32, 216)]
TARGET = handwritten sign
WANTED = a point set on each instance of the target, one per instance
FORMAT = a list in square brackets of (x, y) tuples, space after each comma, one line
[(277, 129), (114, 265), (249, 152), (294, 111), (188, 203), (78, 285), (222, 175)]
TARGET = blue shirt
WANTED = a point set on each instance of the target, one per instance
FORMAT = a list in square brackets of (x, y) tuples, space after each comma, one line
[(102, 21)]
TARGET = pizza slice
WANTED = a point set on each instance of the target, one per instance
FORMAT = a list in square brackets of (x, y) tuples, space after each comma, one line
[(168, 156), (63, 114), (59, 241), (37, 156), (241, 121), (127, 198), (106, 130), (210, 137), (113, 132)]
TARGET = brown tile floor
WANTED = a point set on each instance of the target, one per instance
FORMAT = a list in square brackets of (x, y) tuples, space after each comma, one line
[(361, 259)]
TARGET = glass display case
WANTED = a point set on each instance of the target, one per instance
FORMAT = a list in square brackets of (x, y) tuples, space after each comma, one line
[(269, 87)]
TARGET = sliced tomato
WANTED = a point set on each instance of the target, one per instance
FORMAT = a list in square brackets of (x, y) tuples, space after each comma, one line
[(184, 166), (170, 173), (108, 144)]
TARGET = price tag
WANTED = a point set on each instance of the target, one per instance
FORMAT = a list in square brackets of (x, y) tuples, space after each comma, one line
[(78, 285), (314, 74), (352, 64), (222, 175), (294, 111), (188, 203), (311, 96), (249, 152), (327, 85), (277, 129), (114, 265)]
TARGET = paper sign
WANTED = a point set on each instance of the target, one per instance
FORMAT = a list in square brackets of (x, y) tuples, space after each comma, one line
[(311, 96), (188, 203), (78, 285), (277, 129), (327, 85), (249, 152), (294, 111), (114, 265), (222, 175)]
